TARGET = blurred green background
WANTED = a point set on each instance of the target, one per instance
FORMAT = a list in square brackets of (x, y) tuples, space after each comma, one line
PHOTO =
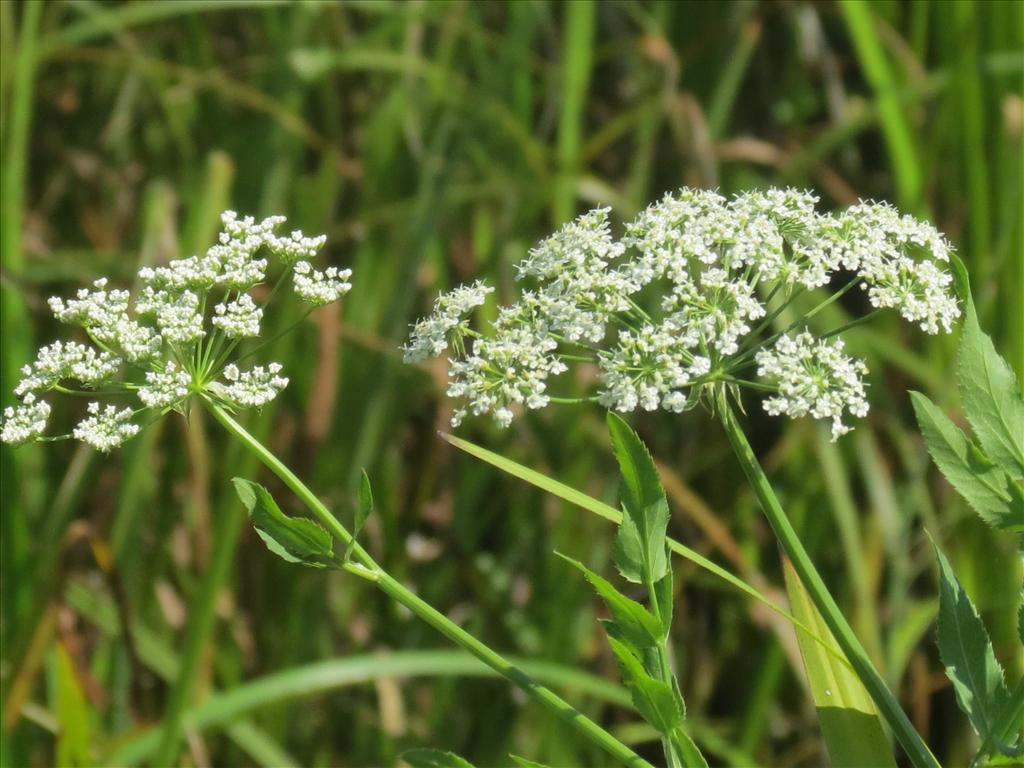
[(434, 142)]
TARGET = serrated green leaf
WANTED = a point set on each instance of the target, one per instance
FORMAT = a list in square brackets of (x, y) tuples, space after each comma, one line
[(850, 724), (631, 623), (653, 699), (434, 758), (991, 398), (989, 490), (640, 546), (294, 539), (967, 654), (664, 595)]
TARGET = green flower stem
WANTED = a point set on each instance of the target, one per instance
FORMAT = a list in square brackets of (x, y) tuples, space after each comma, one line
[(911, 741), (371, 571)]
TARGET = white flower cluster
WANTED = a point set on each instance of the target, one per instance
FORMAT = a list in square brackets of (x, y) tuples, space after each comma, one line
[(175, 340), (25, 422), (254, 388), (680, 304), (814, 377), (238, 318), (901, 260), (165, 388), (106, 427), (319, 288), (69, 360), (447, 324)]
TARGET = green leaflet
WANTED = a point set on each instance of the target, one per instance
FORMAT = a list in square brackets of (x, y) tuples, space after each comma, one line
[(294, 539), (987, 488), (654, 700), (850, 724), (968, 656), (640, 552), (687, 750), (364, 508), (991, 398), (434, 758), (631, 623)]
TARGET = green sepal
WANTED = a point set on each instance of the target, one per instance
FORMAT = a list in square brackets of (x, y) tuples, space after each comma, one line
[(993, 494), (640, 546), (294, 539)]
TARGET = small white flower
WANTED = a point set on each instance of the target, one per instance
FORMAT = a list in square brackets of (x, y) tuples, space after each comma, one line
[(238, 318), (431, 335), (165, 388), (26, 421), (106, 427), (319, 288), (814, 377), (254, 388)]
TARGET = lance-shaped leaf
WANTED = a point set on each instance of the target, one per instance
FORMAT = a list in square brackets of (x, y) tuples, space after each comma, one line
[(294, 539), (364, 507), (631, 622), (434, 758), (991, 398), (967, 654), (993, 494), (640, 544), (654, 700)]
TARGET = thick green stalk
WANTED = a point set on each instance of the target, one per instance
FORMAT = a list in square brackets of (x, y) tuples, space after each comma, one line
[(911, 741), (371, 571)]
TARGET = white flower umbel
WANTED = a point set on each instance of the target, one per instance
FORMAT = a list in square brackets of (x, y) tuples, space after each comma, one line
[(814, 377), (902, 261), (254, 388), (106, 427), (510, 369), (165, 388), (319, 288), (447, 324), (69, 360), (296, 246), (176, 340), (686, 304), (238, 318), (25, 421)]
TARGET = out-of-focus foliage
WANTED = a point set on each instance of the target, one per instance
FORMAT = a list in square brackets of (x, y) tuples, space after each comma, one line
[(434, 142)]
